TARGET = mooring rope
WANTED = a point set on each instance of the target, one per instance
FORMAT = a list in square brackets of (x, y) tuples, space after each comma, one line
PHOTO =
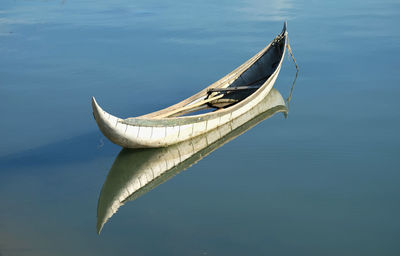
[(291, 53), (297, 72)]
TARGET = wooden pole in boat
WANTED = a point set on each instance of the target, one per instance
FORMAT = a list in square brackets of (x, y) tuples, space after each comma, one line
[(197, 104)]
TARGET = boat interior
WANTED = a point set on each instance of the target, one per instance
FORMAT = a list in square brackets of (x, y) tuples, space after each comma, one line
[(230, 92), (250, 80), (245, 85)]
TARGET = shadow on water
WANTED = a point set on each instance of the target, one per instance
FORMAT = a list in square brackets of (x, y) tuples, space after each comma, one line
[(77, 149), (136, 172)]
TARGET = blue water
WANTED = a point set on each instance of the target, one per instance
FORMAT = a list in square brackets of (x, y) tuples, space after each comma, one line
[(324, 181)]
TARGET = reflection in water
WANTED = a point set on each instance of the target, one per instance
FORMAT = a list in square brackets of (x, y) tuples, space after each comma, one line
[(137, 171)]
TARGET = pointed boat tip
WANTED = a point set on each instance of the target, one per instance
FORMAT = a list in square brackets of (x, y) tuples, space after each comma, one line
[(284, 26), (100, 224), (98, 112), (94, 102), (95, 105), (98, 229)]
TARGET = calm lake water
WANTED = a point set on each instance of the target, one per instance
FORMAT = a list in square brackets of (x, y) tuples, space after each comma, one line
[(324, 181)]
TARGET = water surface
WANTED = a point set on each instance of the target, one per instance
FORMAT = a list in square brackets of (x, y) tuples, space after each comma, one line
[(323, 181)]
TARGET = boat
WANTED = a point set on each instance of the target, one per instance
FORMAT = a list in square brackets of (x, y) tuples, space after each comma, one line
[(137, 171), (225, 100)]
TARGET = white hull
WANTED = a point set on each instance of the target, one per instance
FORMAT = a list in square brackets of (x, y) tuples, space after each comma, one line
[(151, 131)]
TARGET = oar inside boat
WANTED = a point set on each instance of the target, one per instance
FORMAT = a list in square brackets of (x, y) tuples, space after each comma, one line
[(229, 95)]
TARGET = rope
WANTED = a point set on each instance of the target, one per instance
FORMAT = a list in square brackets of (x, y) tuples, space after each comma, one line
[(292, 88), (295, 78), (291, 54)]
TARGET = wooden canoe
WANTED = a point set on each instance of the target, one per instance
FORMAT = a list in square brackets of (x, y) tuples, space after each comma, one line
[(136, 172), (230, 97)]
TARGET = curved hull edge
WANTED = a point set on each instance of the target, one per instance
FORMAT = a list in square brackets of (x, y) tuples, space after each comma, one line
[(113, 129), (136, 136)]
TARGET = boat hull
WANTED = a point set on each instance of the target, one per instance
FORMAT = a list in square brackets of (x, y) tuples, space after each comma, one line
[(150, 131), (165, 133)]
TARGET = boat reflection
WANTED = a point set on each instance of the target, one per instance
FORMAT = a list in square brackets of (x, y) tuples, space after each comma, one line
[(137, 171)]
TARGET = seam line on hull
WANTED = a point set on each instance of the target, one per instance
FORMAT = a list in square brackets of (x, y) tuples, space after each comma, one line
[(166, 164), (180, 157), (154, 176)]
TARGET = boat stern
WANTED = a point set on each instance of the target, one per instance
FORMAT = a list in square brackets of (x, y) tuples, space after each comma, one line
[(112, 128)]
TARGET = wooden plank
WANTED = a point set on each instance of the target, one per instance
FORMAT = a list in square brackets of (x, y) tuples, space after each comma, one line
[(233, 89), (197, 104)]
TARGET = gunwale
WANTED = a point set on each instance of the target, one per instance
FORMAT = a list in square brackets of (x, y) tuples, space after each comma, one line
[(150, 120)]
